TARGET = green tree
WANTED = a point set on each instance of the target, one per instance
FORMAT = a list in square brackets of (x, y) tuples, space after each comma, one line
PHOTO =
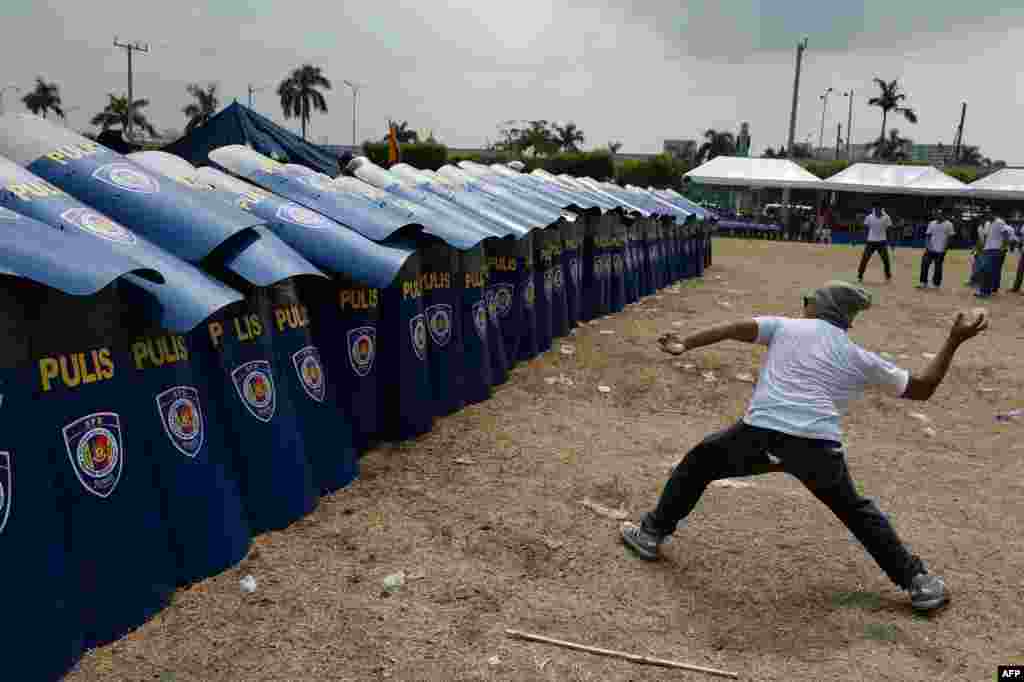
[(300, 94), (716, 143), (44, 98), (614, 147), (116, 114), (203, 108), (520, 137), (403, 132), (892, 148), (890, 99), (569, 137)]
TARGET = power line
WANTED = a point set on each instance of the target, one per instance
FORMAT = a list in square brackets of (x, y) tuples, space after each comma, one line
[(130, 48)]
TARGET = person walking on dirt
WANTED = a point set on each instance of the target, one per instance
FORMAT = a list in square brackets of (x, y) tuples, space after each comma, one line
[(877, 223), (996, 235), (936, 241), (811, 371)]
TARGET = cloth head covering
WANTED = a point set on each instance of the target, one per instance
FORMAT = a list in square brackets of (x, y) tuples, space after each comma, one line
[(839, 302)]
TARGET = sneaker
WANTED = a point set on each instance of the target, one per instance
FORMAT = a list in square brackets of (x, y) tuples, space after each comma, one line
[(640, 541), (927, 592), (921, 286)]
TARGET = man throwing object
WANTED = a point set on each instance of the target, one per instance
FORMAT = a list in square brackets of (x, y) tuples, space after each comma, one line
[(810, 373)]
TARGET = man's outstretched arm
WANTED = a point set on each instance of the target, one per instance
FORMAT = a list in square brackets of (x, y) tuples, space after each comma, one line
[(923, 387), (745, 331)]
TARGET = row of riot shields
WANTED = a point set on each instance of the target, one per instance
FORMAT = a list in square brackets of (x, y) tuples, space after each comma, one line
[(195, 355)]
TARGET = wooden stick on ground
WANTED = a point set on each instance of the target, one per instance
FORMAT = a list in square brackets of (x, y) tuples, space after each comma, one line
[(645, 660)]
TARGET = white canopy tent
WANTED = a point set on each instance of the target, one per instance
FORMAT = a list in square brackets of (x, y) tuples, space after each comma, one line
[(1006, 183), (874, 178), (740, 171)]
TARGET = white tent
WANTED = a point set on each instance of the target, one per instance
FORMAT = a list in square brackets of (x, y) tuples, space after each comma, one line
[(740, 171), (1006, 183), (892, 179)]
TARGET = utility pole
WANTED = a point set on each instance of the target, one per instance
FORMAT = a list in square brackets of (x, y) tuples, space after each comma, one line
[(959, 134), (800, 47), (824, 108), (355, 87), (839, 138), (130, 48), (252, 91), (849, 125)]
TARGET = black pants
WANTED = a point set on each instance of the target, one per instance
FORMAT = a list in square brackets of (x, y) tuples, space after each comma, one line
[(1020, 271), (742, 450), (927, 259), (869, 250)]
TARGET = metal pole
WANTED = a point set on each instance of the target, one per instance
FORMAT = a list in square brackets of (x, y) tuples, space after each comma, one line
[(849, 126), (355, 96), (960, 133), (130, 48), (839, 137), (800, 47), (824, 108)]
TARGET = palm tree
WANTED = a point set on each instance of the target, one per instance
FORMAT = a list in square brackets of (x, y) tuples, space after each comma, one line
[(614, 147), (568, 137), (716, 144), (892, 148), (116, 114), (300, 96), (768, 153), (44, 98), (202, 110), (890, 99), (403, 132)]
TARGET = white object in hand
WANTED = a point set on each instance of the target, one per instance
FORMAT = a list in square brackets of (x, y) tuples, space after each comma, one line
[(248, 584)]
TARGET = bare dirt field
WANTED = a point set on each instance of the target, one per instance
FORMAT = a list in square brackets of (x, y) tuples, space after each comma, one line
[(485, 517)]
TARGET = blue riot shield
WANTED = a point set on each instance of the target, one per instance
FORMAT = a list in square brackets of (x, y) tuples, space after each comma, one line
[(543, 288), (597, 267), (633, 258), (261, 421), (42, 636), (326, 432), (178, 427), (472, 292), (648, 284), (500, 361), (554, 282), (535, 211), (441, 310), (405, 396), (189, 223), (510, 282), (617, 272), (346, 323), (81, 403), (572, 253)]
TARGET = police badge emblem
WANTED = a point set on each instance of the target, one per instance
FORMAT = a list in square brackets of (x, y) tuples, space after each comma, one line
[(255, 385), (126, 177), (6, 491), (574, 271), (418, 334), (480, 319), (182, 419), (549, 283), (556, 279), (439, 322), (503, 299), (491, 297), (97, 225), (95, 447), (311, 372), (362, 348), (529, 293), (617, 262), (298, 215)]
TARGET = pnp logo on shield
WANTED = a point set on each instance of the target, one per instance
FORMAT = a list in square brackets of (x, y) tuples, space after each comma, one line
[(182, 419), (556, 278), (491, 297), (97, 225), (126, 177), (418, 332), (311, 372), (503, 299), (529, 294), (297, 215), (574, 270), (6, 491), (96, 449), (439, 322), (480, 319), (362, 347), (255, 387), (549, 282)]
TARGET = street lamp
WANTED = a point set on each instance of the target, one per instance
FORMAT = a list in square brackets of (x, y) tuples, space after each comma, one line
[(824, 106), (5, 89), (252, 91), (849, 124), (355, 87)]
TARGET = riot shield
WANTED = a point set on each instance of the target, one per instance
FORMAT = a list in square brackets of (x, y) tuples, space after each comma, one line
[(572, 253), (510, 282), (472, 313), (445, 347)]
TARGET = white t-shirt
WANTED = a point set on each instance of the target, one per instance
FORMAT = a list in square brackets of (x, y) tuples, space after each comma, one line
[(809, 375), (938, 235), (995, 234), (877, 225)]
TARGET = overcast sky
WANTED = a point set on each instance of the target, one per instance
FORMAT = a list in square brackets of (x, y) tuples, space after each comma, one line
[(635, 72)]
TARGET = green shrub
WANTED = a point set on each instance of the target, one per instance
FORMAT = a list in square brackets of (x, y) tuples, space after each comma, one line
[(418, 154), (660, 171)]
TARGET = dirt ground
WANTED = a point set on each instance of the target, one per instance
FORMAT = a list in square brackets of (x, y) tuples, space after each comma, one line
[(485, 517)]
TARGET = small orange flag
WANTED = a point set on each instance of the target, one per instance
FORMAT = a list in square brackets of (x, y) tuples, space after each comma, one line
[(394, 152)]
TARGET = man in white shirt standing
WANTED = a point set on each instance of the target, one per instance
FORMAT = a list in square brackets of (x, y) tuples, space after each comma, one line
[(936, 241), (877, 223), (997, 235), (811, 371)]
